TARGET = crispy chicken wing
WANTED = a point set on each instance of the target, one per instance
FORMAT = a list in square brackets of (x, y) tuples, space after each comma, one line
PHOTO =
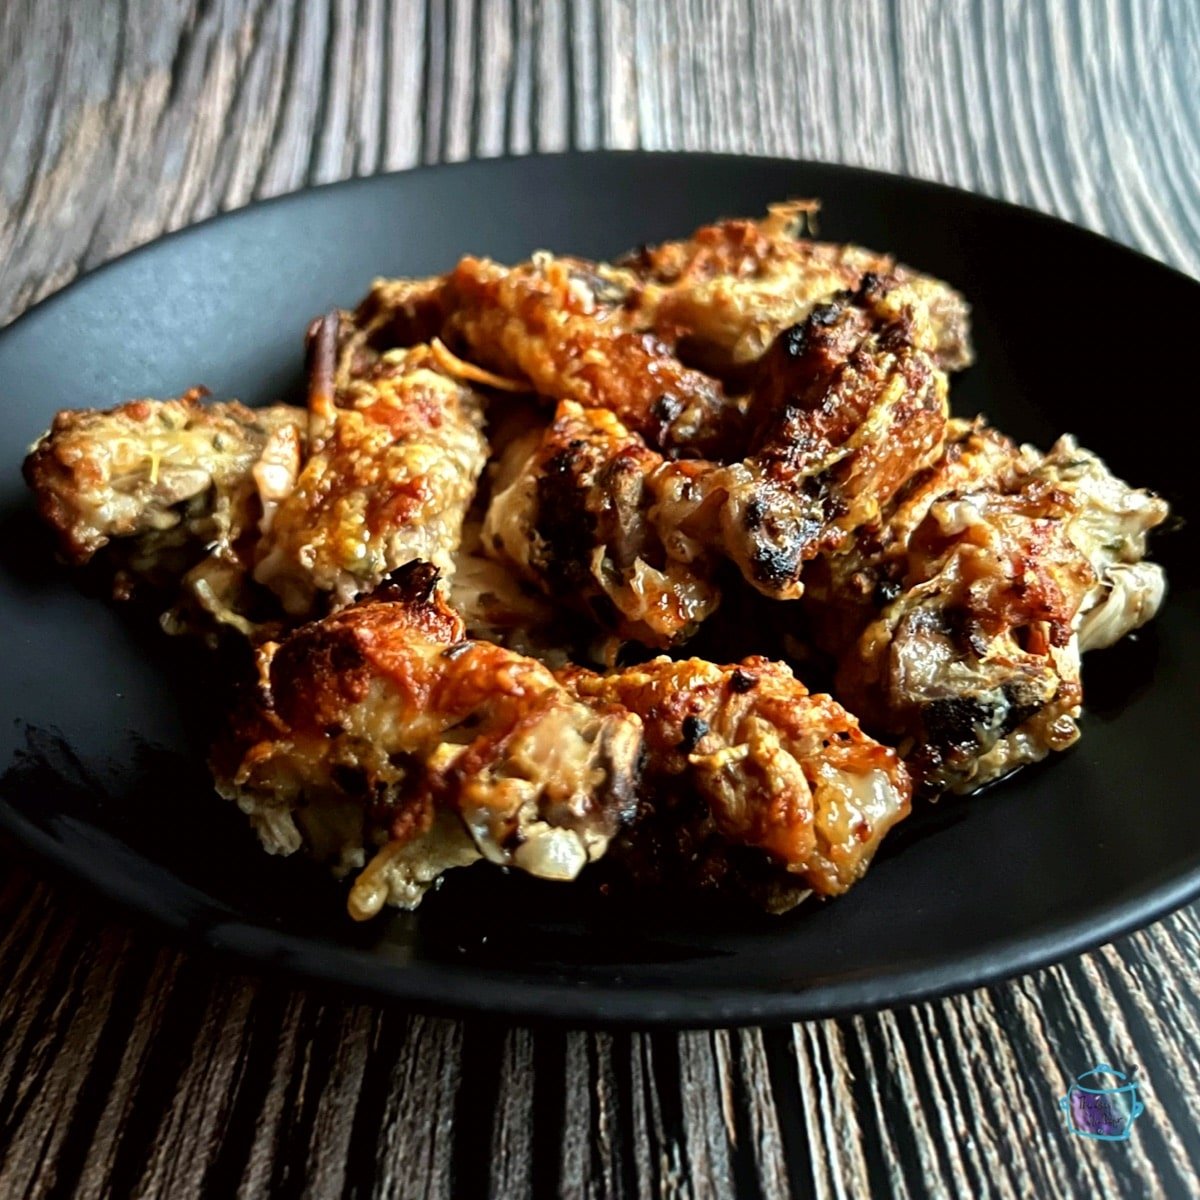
[(844, 411), (392, 468), (583, 516), (149, 466), (565, 326), (731, 288), (184, 488), (995, 571), (314, 507), (379, 735), (846, 590), (745, 757)]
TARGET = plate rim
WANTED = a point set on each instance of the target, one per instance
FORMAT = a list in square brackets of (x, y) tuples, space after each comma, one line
[(437, 987)]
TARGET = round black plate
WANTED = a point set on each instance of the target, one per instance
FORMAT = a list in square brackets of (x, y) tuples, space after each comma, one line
[(102, 754)]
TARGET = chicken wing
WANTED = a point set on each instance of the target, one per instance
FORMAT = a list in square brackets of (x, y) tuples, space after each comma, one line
[(566, 326), (183, 488), (150, 466), (584, 517), (996, 570), (315, 507), (392, 468), (846, 408), (392, 746), (744, 757), (612, 335), (730, 289)]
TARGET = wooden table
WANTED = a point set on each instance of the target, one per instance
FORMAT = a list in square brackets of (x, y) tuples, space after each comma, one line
[(130, 1068)]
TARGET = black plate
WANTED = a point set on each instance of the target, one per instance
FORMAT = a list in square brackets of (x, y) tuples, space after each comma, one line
[(104, 761)]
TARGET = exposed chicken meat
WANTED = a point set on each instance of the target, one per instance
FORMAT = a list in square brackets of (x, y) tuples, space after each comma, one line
[(380, 736), (497, 605), (774, 768)]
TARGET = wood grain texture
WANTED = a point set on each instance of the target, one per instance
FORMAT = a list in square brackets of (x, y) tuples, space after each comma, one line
[(130, 1068)]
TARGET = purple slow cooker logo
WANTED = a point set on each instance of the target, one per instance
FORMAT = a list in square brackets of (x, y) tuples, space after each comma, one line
[(1102, 1103)]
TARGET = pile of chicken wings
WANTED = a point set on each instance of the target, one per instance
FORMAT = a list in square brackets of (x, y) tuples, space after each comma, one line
[(474, 572)]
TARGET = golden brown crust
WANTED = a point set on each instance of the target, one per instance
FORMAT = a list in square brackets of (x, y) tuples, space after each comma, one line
[(731, 288), (780, 770), (566, 329), (611, 337), (390, 475), (384, 711), (957, 622), (127, 471), (179, 491)]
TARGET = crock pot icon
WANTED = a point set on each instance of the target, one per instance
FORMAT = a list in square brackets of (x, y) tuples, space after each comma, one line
[(1102, 1103)]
